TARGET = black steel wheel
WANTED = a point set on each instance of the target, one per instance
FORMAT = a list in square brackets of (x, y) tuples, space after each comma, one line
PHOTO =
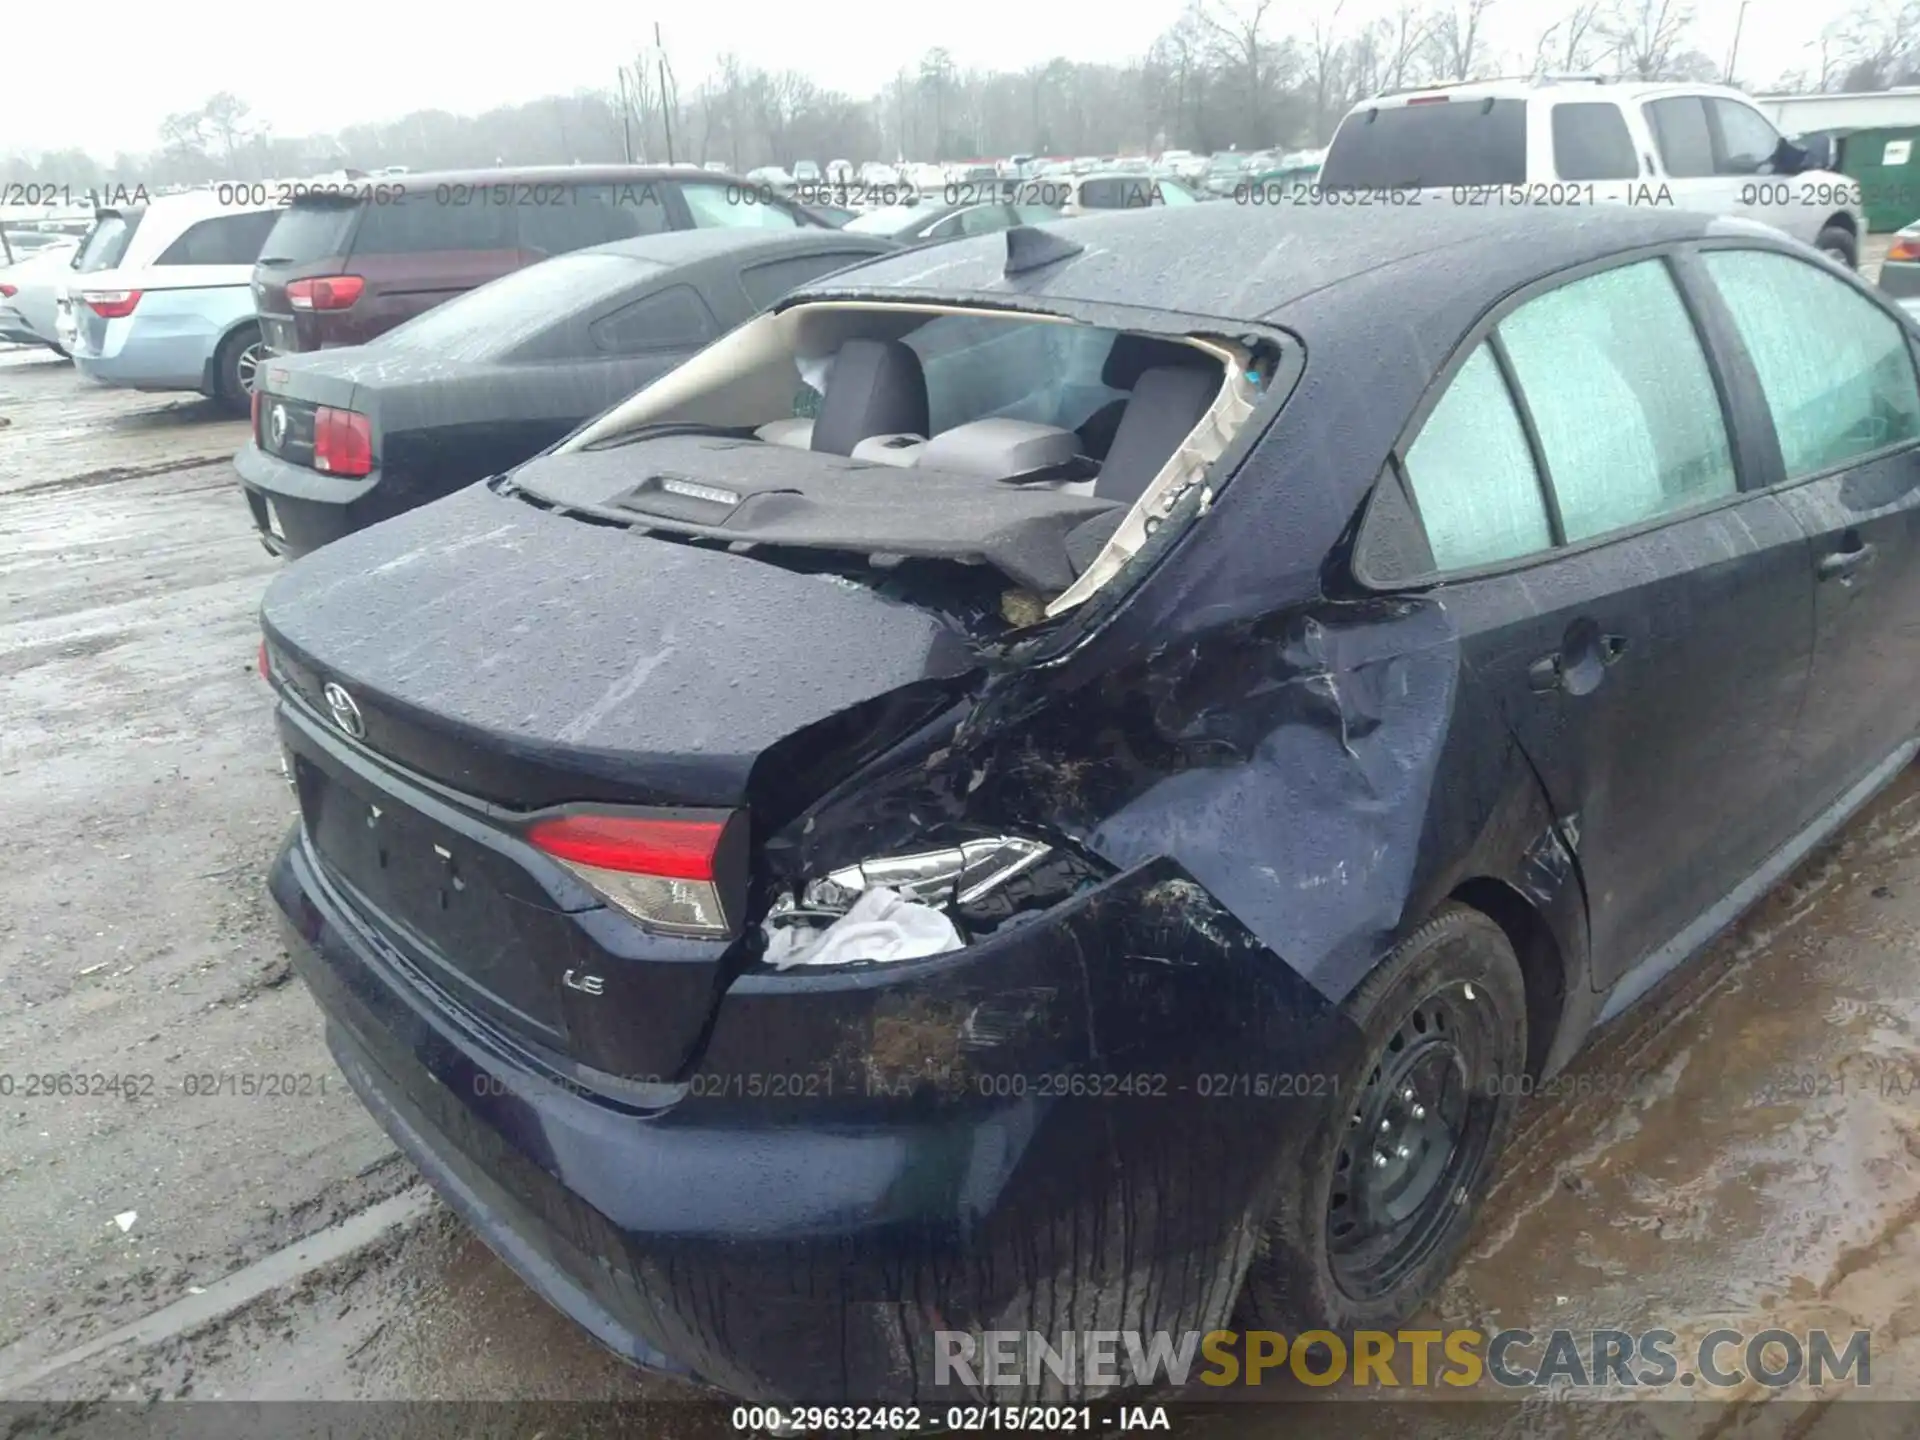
[(1367, 1222)]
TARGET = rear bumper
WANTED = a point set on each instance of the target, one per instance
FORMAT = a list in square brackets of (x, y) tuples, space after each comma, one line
[(313, 509), (810, 1247), (1900, 279)]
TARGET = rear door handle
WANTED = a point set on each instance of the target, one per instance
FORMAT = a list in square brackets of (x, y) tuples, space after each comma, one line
[(1843, 562)]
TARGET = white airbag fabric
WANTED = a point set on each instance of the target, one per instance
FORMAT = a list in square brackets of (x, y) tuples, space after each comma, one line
[(881, 925)]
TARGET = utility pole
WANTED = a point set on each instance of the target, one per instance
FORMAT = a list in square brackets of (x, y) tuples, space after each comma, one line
[(626, 118), (1733, 52), (666, 97)]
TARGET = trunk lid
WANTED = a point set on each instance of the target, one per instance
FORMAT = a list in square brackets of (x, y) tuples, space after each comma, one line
[(531, 658), (291, 395)]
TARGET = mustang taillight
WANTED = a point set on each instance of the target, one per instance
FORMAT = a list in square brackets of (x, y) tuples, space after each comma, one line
[(665, 873), (342, 443), (329, 292)]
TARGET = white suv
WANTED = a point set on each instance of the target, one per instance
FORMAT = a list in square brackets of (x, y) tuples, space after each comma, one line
[(1589, 140)]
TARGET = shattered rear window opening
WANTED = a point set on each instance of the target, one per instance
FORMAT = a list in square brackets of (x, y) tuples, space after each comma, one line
[(1036, 445)]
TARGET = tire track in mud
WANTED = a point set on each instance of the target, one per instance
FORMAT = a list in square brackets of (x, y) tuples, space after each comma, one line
[(113, 475)]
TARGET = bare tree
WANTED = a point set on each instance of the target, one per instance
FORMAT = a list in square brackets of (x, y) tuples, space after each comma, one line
[(1572, 44), (1459, 38), (1327, 61), (1243, 53), (936, 82), (1878, 45), (1648, 37)]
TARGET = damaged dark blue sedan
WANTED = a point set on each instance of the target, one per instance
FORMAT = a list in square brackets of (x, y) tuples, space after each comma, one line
[(1067, 781)]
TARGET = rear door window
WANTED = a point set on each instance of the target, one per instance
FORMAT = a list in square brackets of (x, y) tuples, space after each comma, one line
[(1622, 399), (107, 241), (977, 367), (1473, 476), (1680, 130), (719, 207), (1836, 370), (673, 319), (1747, 140), (1590, 142), (223, 240), (584, 215), (304, 233), (1442, 142), (467, 219), (487, 322)]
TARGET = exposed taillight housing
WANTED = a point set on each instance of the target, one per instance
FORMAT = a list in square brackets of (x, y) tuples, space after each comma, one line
[(326, 292), (111, 304), (679, 874), (7, 292), (342, 443), (1904, 247)]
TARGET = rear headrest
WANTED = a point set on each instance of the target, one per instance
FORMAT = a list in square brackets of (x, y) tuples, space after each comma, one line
[(876, 387), (1133, 355), (1167, 403)]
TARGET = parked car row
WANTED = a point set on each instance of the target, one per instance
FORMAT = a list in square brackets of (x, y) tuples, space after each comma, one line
[(345, 436)]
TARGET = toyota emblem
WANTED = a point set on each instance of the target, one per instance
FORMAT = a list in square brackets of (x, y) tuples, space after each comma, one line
[(346, 714), (277, 424)]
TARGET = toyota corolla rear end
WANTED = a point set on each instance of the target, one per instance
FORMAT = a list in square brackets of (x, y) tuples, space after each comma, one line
[(661, 912)]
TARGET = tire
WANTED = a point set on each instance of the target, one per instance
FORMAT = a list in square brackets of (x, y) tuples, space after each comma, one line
[(233, 369), (1414, 1010), (1838, 242)]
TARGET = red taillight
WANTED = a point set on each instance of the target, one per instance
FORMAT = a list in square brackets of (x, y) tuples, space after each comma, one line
[(266, 668), (672, 849), (7, 292), (1904, 247), (329, 292), (342, 443), (111, 304), (661, 872), (1429, 99)]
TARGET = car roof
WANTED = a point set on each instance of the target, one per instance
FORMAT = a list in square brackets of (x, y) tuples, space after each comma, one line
[(1249, 263), (685, 247), (1566, 88)]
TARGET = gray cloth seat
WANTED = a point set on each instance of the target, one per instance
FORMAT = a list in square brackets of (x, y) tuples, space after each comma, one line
[(1167, 403), (876, 387)]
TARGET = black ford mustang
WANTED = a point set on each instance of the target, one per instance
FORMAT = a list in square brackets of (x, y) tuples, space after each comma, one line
[(1067, 782)]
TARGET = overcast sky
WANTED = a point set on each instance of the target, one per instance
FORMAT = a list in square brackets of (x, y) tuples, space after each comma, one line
[(355, 60)]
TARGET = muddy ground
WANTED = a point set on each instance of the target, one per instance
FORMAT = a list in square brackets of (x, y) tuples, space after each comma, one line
[(1739, 1152)]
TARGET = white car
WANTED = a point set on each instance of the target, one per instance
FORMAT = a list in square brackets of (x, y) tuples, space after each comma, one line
[(839, 172), (1588, 141), (27, 291), (173, 309), (875, 172)]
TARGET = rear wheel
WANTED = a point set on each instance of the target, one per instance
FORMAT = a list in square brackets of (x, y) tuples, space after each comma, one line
[(235, 367), (1837, 243), (1367, 1229)]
